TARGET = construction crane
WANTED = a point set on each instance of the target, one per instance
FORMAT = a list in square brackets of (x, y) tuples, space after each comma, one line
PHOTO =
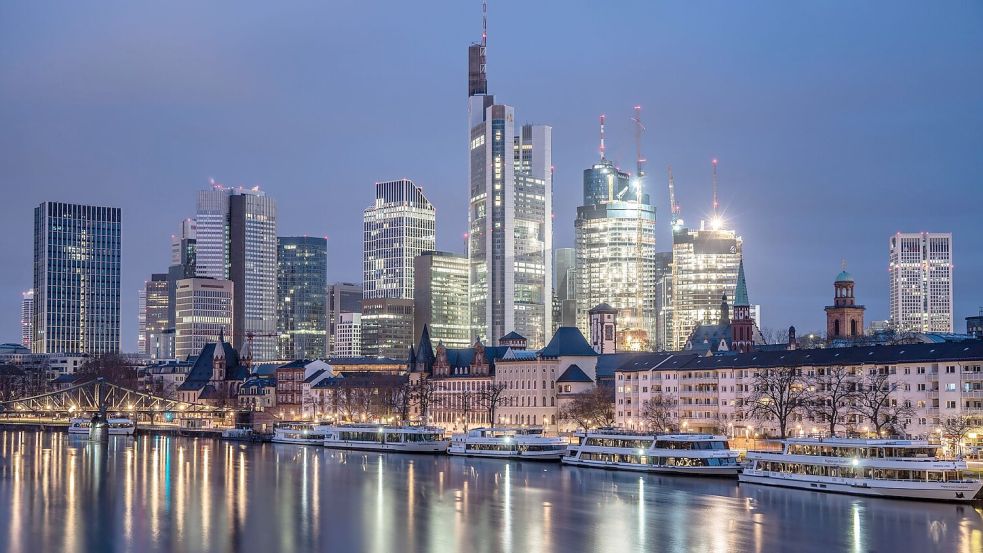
[(639, 160), (673, 206)]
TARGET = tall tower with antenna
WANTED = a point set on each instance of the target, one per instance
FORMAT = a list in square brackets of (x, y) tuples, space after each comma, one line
[(639, 160), (715, 217)]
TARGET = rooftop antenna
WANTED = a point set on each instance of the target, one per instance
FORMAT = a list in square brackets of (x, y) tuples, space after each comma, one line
[(602, 137), (484, 22), (639, 160), (673, 206), (715, 188)]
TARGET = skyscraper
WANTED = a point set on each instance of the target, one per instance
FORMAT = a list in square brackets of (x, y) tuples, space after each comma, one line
[(704, 267), (204, 308), (663, 300), (616, 263), (348, 335), (343, 298), (565, 287), (155, 319), (510, 237), (301, 294), (27, 318), (440, 298), (921, 281), (236, 240), (184, 248), (387, 327), (76, 278), (399, 226)]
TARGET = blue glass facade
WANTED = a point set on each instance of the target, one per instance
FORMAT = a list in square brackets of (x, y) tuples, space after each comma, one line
[(302, 265)]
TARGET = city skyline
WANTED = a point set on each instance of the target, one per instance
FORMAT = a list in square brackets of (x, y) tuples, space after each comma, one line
[(864, 156)]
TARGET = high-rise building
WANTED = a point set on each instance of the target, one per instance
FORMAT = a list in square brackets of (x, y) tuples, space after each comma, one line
[(510, 237), (183, 265), (663, 300), (921, 281), (387, 327), (704, 268), (142, 319), (399, 226), (564, 287), (27, 318), (343, 298), (204, 310), (301, 296), (441, 298), (348, 335), (616, 263), (236, 240), (76, 278), (155, 317)]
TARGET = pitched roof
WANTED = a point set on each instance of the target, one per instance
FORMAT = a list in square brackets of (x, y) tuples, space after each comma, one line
[(567, 341), (707, 337), (511, 337), (574, 374), (201, 372), (740, 294), (602, 308)]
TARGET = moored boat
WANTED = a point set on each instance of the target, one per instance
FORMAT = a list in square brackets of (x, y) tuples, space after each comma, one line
[(508, 443), (692, 454), (302, 433), (120, 426), (374, 437), (903, 469)]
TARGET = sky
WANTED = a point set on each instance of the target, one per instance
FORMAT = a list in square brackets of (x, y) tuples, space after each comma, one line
[(836, 124)]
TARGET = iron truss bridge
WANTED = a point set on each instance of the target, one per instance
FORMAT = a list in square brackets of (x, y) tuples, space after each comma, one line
[(100, 396)]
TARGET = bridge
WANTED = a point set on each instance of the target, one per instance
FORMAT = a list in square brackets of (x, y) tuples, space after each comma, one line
[(103, 397)]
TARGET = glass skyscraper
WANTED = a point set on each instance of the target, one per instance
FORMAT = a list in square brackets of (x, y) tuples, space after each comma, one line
[(155, 319), (301, 294), (76, 278), (441, 299)]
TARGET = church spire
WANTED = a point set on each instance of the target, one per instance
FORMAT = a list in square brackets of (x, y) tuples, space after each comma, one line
[(740, 294)]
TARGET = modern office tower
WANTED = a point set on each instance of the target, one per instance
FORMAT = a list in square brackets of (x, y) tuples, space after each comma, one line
[(441, 298), (387, 327), (565, 287), (348, 335), (921, 281), (343, 298), (76, 279), (184, 246), (663, 300), (27, 318), (399, 226), (142, 320), (615, 230), (154, 319), (301, 295), (236, 240), (183, 265), (704, 268), (510, 236), (204, 308)]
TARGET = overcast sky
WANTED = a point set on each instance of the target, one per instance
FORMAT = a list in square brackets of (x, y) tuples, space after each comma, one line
[(836, 123)]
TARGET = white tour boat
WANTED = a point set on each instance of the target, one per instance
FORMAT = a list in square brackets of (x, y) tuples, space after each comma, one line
[(374, 437), (695, 454), (905, 469), (303, 433), (508, 443), (116, 426)]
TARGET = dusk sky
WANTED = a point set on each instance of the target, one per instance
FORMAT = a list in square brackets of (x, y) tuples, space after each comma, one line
[(836, 123)]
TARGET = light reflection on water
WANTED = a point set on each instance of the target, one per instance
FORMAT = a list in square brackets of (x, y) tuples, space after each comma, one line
[(65, 493)]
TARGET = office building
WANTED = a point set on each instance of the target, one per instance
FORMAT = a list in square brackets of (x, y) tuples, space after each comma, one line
[(399, 226), (440, 298), (564, 287), (348, 335), (301, 294), (183, 265), (204, 311), (663, 300), (154, 313), (920, 269), (27, 318), (343, 298), (387, 327), (76, 279)]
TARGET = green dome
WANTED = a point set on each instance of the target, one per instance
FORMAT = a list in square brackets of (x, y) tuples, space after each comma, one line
[(844, 277)]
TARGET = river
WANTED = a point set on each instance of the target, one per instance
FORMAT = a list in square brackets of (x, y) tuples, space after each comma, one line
[(159, 493)]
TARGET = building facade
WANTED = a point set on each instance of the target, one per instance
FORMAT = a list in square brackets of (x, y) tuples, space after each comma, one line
[(27, 318), (302, 265), (564, 287), (387, 327), (76, 278), (510, 238), (845, 318), (704, 268), (399, 226), (204, 310), (343, 298), (921, 281), (441, 298), (155, 319), (663, 300), (348, 335)]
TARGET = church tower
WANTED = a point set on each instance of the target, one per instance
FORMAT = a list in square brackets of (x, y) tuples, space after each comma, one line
[(742, 326), (218, 358), (844, 319)]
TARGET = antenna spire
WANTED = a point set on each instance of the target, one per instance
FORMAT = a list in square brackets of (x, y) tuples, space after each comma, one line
[(639, 160), (602, 137), (484, 22), (715, 204), (673, 206)]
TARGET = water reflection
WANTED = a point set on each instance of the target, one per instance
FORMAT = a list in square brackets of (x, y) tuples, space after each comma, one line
[(65, 493)]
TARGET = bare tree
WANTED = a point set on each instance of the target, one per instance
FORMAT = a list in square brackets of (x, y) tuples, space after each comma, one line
[(424, 394), (834, 391), (492, 397), (876, 402), (659, 412), (394, 399), (775, 335), (955, 429), (113, 367), (778, 393), (591, 409)]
